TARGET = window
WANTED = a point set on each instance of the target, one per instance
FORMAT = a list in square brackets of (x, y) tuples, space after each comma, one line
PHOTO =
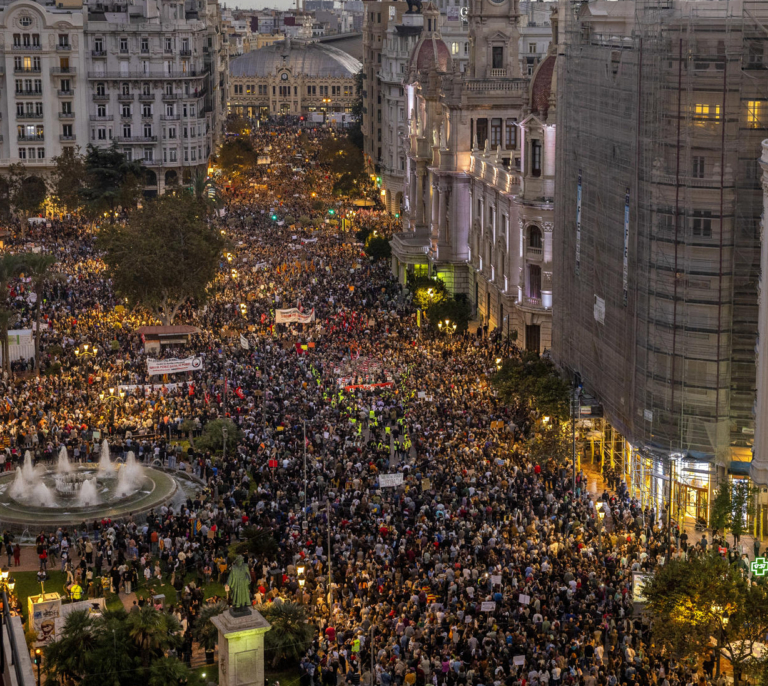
[(172, 132), (535, 158), (64, 85), (701, 223), (63, 40), (66, 107), (454, 48), (123, 45), (146, 110), (147, 130), (101, 134), (126, 130), (126, 111), (703, 111), (482, 132), (497, 57), (125, 89), (495, 133), (534, 281), (66, 130), (510, 134), (145, 45), (532, 48), (145, 89), (100, 89), (98, 45), (698, 167), (168, 44), (755, 114), (101, 110), (534, 238)]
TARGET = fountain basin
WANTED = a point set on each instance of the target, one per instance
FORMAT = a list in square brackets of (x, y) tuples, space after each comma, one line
[(156, 488)]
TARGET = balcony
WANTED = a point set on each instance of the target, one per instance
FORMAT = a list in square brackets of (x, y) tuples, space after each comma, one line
[(169, 117), (532, 301), (103, 117), (29, 115), (63, 47), (56, 71), (147, 76), (98, 53), (146, 97), (29, 93), (498, 73), (185, 53), (534, 253), (70, 93), (126, 97), (136, 139), (172, 96), (67, 139), (39, 138), (27, 70), (66, 115), (24, 48), (124, 52)]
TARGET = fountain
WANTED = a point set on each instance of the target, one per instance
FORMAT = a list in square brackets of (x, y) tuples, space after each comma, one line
[(68, 493), (129, 477), (63, 466), (89, 493), (106, 468)]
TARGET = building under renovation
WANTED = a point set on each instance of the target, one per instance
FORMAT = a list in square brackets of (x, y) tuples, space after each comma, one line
[(662, 107)]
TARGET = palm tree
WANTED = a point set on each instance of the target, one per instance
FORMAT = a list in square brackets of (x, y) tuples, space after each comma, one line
[(37, 266), (169, 670), (8, 269), (204, 632), (66, 659), (152, 631), (291, 634), (206, 191)]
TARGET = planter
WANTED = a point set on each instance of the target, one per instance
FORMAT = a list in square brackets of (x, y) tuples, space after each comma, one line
[(209, 657)]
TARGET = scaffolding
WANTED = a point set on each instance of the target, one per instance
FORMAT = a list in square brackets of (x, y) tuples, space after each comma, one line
[(663, 106)]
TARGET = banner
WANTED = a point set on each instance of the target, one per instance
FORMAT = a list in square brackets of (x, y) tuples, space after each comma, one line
[(369, 386), (390, 480), (488, 606), (174, 366), (578, 224), (294, 315), (146, 389), (244, 342)]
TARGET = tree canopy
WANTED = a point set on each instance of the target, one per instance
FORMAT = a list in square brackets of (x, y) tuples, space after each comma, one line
[(535, 380), (237, 154), (378, 248), (68, 178), (427, 291), (703, 597), (26, 192), (164, 255), (110, 181)]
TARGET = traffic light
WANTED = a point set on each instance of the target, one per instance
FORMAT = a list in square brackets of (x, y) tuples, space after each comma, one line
[(38, 656), (274, 217), (397, 215), (331, 211)]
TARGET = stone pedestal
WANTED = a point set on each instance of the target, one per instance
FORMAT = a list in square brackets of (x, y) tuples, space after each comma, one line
[(241, 648)]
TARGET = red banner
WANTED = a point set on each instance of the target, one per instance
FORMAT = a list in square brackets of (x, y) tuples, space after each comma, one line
[(369, 386)]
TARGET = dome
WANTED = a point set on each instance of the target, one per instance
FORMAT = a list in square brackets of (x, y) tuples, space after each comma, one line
[(431, 52), (309, 59)]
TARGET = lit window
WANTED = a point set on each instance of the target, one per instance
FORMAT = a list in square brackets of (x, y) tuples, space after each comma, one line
[(454, 48), (702, 111), (755, 113)]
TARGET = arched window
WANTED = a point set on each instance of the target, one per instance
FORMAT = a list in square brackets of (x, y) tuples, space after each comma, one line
[(534, 237)]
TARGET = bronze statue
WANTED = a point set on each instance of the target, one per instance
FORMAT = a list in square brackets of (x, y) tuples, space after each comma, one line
[(239, 583)]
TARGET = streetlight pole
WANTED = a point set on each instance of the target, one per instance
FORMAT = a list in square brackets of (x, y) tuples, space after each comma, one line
[(330, 576), (304, 422)]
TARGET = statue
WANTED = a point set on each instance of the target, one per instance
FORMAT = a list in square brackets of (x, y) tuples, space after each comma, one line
[(414, 6), (239, 582)]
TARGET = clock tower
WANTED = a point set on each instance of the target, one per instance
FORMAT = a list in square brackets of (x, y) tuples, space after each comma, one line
[(493, 39)]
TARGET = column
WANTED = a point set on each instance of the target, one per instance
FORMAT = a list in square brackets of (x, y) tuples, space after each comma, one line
[(241, 648)]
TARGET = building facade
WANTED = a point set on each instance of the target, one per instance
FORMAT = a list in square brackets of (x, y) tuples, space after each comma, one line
[(44, 104), (658, 200), (293, 77)]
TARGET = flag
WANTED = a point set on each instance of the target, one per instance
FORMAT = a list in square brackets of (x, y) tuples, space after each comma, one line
[(302, 349), (244, 342), (239, 393)]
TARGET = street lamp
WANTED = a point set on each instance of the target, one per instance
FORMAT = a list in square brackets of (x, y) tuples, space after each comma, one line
[(38, 662), (498, 364), (86, 350), (447, 326), (112, 400)]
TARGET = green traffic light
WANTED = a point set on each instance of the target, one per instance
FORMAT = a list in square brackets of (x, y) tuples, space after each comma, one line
[(274, 217), (331, 211)]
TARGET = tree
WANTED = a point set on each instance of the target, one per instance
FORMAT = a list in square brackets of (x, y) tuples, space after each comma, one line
[(551, 443), (212, 437), (720, 514), (258, 541), (67, 658), (9, 265), (152, 631), (742, 508), (27, 193), (378, 248), (110, 181), (37, 266), (702, 597), (206, 191), (455, 310), (342, 156), (237, 124), (171, 671), (237, 154), (68, 178), (355, 129), (203, 630), (170, 230), (290, 635), (427, 291), (534, 380)]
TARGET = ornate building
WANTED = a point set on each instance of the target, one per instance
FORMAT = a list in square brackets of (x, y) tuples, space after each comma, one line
[(293, 77), (479, 172)]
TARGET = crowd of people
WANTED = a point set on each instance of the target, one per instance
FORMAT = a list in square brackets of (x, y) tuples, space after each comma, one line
[(478, 568)]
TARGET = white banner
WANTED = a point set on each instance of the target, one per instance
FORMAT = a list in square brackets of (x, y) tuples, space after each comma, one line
[(293, 315), (390, 480), (174, 366), (488, 606), (146, 389), (244, 342)]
